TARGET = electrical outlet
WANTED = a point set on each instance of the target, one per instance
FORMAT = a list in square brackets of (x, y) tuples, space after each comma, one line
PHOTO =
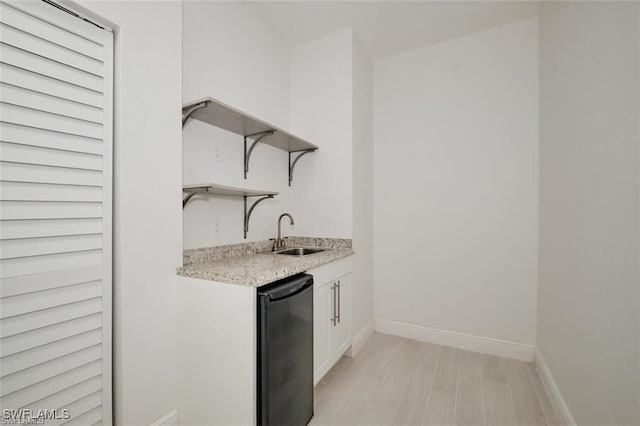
[(216, 153), (215, 229)]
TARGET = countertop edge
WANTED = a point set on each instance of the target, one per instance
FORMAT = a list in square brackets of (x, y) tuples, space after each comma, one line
[(246, 280)]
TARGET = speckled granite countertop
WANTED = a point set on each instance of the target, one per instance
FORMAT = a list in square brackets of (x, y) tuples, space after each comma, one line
[(253, 264)]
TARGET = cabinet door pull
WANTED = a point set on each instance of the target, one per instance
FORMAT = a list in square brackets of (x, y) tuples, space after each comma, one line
[(335, 294), (339, 297)]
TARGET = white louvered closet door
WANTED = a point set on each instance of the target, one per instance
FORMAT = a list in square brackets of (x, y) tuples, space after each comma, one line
[(56, 84)]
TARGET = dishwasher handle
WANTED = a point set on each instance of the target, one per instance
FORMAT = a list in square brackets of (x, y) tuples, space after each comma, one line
[(293, 293), (285, 290)]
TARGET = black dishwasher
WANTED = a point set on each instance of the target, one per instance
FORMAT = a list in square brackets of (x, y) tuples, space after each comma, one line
[(285, 352)]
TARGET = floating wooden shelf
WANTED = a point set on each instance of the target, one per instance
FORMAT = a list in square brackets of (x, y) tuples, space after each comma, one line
[(222, 190), (219, 114), (228, 191)]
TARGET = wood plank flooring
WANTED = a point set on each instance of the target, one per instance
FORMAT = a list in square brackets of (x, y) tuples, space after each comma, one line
[(396, 381)]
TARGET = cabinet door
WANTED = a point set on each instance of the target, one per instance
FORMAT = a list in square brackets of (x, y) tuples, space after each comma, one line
[(322, 311), (340, 334)]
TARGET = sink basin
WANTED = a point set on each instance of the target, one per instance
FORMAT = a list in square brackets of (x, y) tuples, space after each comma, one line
[(299, 251)]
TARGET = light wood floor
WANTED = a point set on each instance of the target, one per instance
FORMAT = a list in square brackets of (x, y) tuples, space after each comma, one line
[(396, 381)]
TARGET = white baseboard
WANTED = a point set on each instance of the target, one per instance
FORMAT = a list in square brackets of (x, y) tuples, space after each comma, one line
[(456, 340), (360, 339), (169, 419), (558, 402)]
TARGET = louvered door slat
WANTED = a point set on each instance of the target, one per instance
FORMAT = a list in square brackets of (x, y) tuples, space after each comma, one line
[(53, 333), (45, 31), (25, 191), (39, 118), (70, 395), (49, 245), (36, 301), (32, 283), (28, 98), (15, 229), (85, 409), (11, 55), (56, 82), (23, 40), (57, 18), (49, 263), (27, 359), (18, 77), (34, 155), (47, 370), (33, 136), (16, 210), (50, 386), (20, 172), (53, 315), (25, 154), (86, 418)]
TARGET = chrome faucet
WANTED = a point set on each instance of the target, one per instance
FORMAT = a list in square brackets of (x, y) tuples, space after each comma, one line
[(279, 242)]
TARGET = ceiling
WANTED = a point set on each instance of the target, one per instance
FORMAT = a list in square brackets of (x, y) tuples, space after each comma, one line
[(386, 28)]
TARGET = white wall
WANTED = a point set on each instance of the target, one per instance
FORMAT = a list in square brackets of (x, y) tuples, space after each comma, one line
[(321, 111), (588, 331), (147, 218), (362, 283), (456, 184), (229, 54), (331, 105)]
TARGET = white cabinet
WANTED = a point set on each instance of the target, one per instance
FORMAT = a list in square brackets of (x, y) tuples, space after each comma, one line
[(340, 329), (322, 302), (217, 342), (331, 315), (216, 352)]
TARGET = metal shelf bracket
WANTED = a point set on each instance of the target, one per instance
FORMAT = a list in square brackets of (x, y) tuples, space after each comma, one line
[(295, 160), (257, 137), (247, 213), (193, 193), (186, 199), (190, 111)]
